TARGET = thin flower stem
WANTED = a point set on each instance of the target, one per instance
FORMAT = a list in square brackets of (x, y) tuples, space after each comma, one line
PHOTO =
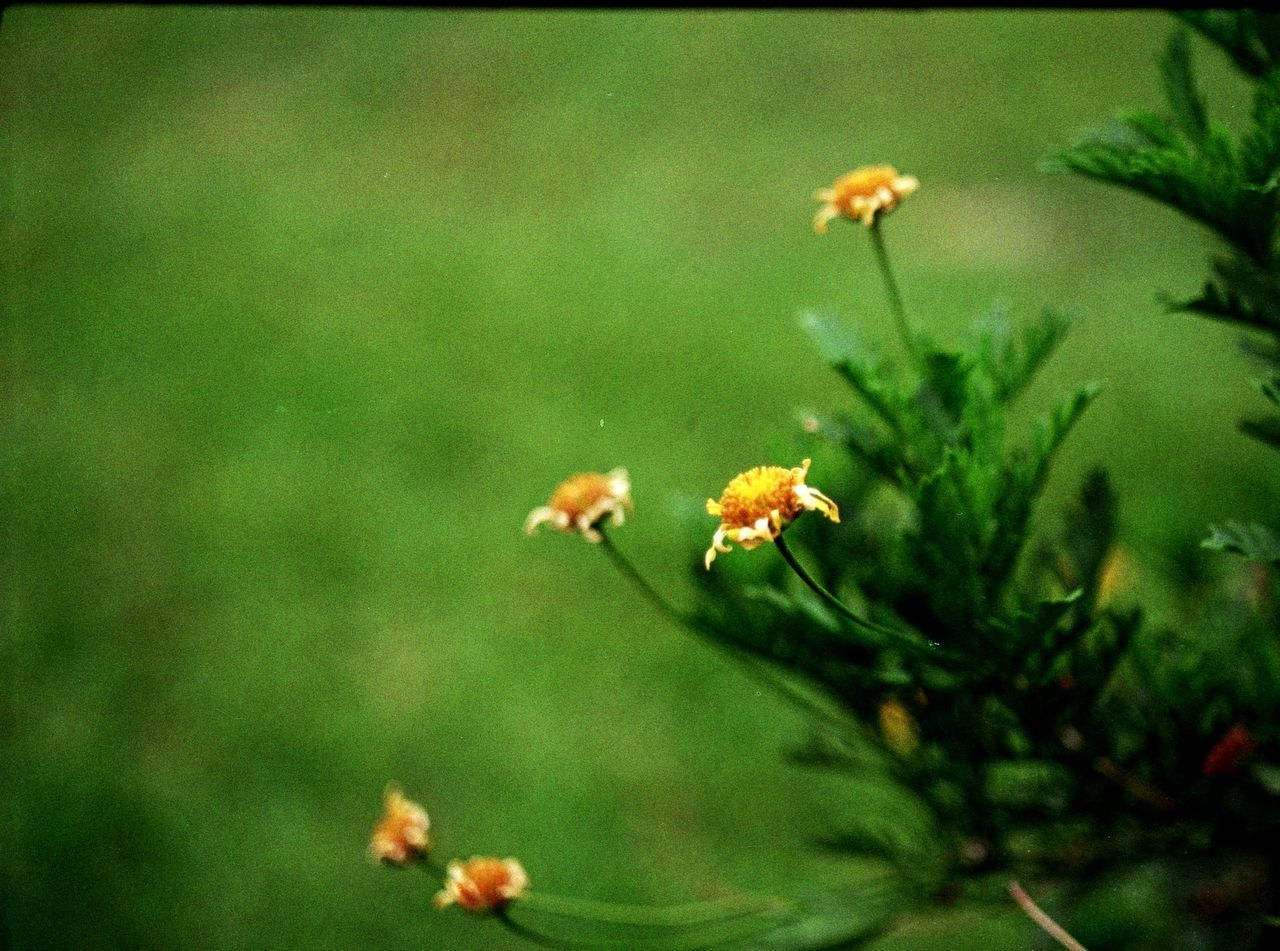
[(880, 634), (891, 287), (695, 936), (672, 916), (537, 937), (751, 665), (1051, 927), (623, 564), (761, 672), (427, 862)]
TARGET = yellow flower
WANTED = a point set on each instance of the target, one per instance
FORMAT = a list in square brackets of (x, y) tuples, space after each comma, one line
[(898, 728), (863, 194), (401, 834), (583, 501), (482, 884), (758, 504)]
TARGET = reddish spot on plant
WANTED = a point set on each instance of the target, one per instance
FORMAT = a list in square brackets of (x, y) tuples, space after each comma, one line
[(1236, 745)]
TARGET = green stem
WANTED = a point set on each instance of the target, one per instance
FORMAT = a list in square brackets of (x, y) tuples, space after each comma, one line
[(623, 564), (759, 671), (671, 916), (754, 668), (698, 935), (895, 297), (536, 937), (881, 636)]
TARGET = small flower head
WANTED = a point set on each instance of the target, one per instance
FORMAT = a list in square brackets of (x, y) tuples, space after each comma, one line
[(862, 195), (758, 504), (583, 501), (482, 884), (401, 834)]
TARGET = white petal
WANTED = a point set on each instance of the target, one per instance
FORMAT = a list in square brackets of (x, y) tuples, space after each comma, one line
[(537, 517)]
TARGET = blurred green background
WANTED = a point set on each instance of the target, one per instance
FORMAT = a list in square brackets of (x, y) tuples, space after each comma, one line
[(304, 309)]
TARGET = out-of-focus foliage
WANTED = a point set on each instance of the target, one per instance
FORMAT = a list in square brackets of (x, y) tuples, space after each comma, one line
[(1230, 184)]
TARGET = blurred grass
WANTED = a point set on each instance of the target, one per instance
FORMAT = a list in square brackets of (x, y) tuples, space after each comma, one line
[(305, 309)]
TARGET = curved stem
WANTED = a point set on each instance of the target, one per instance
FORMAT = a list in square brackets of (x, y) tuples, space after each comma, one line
[(671, 916), (427, 862), (1051, 927), (891, 287), (536, 937), (696, 936), (623, 564), (761, 672), (754, 668), (882, 636)]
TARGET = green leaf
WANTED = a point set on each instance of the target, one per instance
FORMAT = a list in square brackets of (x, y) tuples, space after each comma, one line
[(1051, 431), (1024, 482), (1095, 656), (1035, 634), (1212, 192), (1260, 147), (1012, 362), (1040, 785), (1039, 341), (1180, 89), (841, 348), (835, 920), (1265, 429), (1270, 387), (942, 394), (882, 456), (1220, 303), (982, 419), (1244, 35), (1268, 776), (1255, 542), (1148, 130)]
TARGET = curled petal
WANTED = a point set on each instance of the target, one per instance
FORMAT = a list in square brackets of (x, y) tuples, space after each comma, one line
[(863, 194), (583, 502), (759, 504), (482, 884)]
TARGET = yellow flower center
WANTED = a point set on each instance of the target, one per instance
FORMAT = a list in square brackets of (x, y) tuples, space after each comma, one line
[(864, 183), (581, 493), (488, 879), (755, 494), (862, 194)]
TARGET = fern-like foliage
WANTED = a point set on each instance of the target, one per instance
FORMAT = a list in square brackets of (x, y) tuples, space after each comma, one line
[(1232, 185), (1043, 727)]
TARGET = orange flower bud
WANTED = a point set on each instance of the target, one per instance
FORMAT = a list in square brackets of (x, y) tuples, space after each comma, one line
[(401, 834), (482, 884)]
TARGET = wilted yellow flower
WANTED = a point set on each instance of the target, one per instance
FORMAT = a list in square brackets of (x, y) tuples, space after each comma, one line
[(482, 884), (898, 728), (863, 194), (401, 834), (758, 504), (582, 501)]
